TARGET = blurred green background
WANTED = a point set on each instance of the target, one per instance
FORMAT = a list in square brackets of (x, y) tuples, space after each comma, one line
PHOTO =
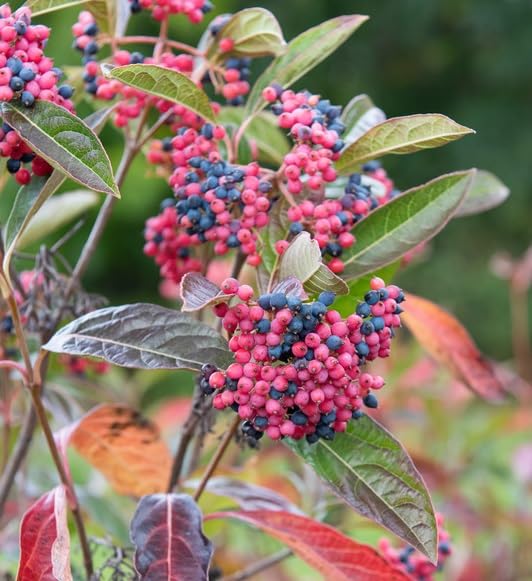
[(469, 59)]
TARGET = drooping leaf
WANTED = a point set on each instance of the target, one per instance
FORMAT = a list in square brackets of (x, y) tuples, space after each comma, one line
[(445, 339), (170, 544), (302, 54), (359, 116), (44, 539), (324, 548), (166, 84), (143, 336), (400, 135), (126, 447), (39, 7), (65, 141), (302, 259), (486, 192), (56, 212), (400, 225), (263, 131), (371, 471), (198, 292), (254, 31), (248, 496)]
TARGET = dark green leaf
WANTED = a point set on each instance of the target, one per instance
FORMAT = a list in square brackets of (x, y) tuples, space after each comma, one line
[(166, 84), (409, 219), (143, 336), (400, 135), (65, 141), (486, 192), (371, 471), (302, 54)]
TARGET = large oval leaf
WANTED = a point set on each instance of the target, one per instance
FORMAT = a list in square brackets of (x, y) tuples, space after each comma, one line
[(126, 447), (486, 192), (409, 219), (359, 116), (371, 471), (254, 31), (65, 141), (324, 548), (445, 338), (39, 7), (302, 54), (44, 539), (166, 84), (400, 135), (143, 336), (170, 544)]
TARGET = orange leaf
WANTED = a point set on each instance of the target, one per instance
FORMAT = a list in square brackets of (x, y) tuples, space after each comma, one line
[(445, 339), (328, 551), (126, 447)]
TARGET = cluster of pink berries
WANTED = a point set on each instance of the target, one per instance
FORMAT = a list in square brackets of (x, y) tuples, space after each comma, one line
[(413, 562), (195, 10), (315, 126), (297, 370), (81, 366), (26, 74)]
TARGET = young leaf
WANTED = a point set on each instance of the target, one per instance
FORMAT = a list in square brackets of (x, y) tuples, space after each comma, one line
[(372, 472), (277, 229), (166, 84), (170, 544), (65, 141), (126, 447), (57, 212), (198, 292), (400, 135), (445, 339), (302, 259), (291, 287), (143, 336), (254, 31), (324, 548), (44, 539), (486, 192), (39, 7), (302, 54), (359, 116), (409, 219)]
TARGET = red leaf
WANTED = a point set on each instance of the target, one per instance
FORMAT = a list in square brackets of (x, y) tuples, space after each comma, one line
[(44, 540), (166, 529), (328, 551), (444, 337)]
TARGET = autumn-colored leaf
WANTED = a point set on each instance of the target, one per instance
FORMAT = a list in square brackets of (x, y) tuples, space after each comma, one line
[(166, 530), (126, 447), (44, 540), (328, 551), (445, 339)]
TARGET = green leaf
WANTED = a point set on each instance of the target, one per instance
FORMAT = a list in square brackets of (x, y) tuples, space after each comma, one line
[(302, 54), (400, 225), (111, 15), (486, 192), (166, 84), (142, 336), (254, 31), (371, 471), (65, 141), (277, 229), (400, 135), (359, 116), (39, 7), (56, 212), (302, 259)]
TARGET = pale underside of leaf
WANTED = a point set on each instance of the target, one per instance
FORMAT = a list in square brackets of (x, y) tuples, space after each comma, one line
[(486, 192)]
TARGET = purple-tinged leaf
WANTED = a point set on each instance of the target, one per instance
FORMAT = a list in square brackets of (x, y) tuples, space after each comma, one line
[(290, 286), (198, 292)]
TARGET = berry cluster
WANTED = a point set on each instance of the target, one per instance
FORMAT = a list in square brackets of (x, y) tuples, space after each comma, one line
[(297, 369), (80, 366), (330, 221), (315, 126), (195, 10), (236, 77), (26, 74), (413, 562)]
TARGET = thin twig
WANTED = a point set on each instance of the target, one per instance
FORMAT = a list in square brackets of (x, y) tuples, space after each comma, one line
[(153, 40), (259, 566)]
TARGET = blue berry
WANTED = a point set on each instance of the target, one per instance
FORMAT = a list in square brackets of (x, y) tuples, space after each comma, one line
[(362, 349), (66, 91), (16, 84), (278, 300), (14, 64), (372, 297), (26, 74), (371, 401), (263, 326), (327, 298), (13, 165), (363, 310), (334, 343), (299, 418)]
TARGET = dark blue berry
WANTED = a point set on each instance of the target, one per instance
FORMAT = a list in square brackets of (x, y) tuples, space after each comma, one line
[(327, 298), (91, 29), (261, 422), (66, 91), (16, 84), (367, 328), (363, 310), (278, 300), (362, 349), (357, 414), (14, 64), (265, 302), (378, 323), (334, 342), (13, 165), (299, 418), (312, 438), (275, 394), (372, 297), (296, 228), (371, 401), (293, 303), (26, 74)]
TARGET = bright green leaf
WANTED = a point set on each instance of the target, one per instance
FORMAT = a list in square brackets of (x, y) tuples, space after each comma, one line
[(65, 141), (39, 7), (400, 135), (302, 54), (166, 84), (486, 192), (371, 471), (409, 219)]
